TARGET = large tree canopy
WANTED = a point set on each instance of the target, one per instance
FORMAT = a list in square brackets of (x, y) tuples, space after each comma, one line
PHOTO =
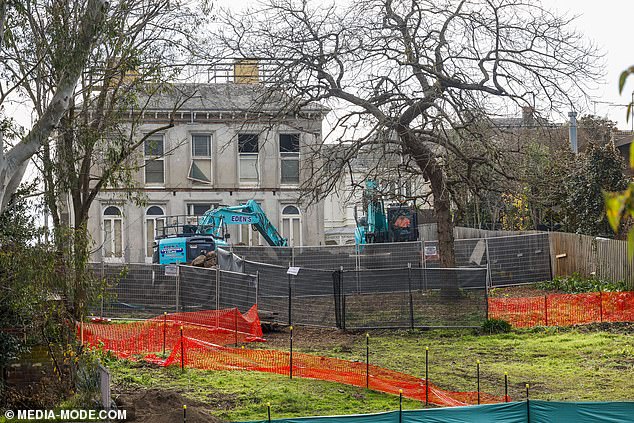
[(427, 73), (42, 38)]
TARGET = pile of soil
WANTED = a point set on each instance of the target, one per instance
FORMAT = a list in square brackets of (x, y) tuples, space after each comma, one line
[(159, 406), (208, 260)]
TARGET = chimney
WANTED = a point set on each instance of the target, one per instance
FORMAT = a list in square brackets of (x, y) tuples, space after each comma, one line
[(246, 71), (527, 115), (572, 131)]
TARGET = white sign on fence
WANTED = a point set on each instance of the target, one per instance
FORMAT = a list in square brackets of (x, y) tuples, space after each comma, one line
[(292, 271), (171, 270)]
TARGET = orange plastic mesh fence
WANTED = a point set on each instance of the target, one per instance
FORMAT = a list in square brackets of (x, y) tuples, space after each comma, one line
[(154, 335), (203, 355), (564, 309), (205, 332)]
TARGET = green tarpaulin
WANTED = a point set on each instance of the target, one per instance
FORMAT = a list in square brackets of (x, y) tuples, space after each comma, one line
[(512, 412)]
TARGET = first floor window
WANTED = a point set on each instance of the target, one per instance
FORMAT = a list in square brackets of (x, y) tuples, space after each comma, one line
[(200, 170), (248, 150), (292, 225), (289, 159), (154, 151), (112, 233), (154, 224)]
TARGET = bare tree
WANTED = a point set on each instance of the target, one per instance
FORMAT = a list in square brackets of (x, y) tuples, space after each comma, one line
[(88, 77), (98, 139), (26, 43), (425, 74)]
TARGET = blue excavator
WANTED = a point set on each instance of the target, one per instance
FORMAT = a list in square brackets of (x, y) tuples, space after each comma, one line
[(399, 224), (210, 232)]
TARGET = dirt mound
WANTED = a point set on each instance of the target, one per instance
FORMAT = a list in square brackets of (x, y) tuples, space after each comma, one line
[(159, 406)]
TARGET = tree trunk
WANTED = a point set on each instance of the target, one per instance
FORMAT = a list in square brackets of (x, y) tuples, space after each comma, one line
[(14, 164), (426, 161)]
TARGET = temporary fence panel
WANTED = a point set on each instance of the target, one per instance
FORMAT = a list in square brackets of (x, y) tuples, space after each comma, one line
[(389, 255), (564, 309), (237, 290), (137, 290), (581, 412), (515, 260), (313, 298), (332, 257), (468, 253), (197, 289), (412, 297), (280, 256), (273, 287), (535, 411), (429, 232)]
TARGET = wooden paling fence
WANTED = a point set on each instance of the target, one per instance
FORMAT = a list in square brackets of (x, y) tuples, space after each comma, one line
[(588, 256)]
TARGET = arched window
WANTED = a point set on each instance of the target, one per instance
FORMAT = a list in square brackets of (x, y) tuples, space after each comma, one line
[(154, 224), (112, 211), (292, 225), (112, 233)]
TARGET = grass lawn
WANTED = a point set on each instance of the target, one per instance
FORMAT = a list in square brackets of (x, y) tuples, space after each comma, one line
[(573, 364)]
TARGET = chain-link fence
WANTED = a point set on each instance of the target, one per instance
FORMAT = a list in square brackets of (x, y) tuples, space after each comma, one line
[(381, 298), (412, 297), (335, 257), (511, 260), (515, 260), (376, 285), (146, 290)]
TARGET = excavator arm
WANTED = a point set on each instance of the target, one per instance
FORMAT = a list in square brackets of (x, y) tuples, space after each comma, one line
[(215, 221)]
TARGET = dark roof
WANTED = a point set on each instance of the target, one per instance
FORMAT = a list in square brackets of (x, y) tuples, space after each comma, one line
[(226, 97), (622, 138)]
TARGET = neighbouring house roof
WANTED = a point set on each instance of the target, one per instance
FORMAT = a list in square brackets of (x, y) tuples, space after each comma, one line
[(622, 138), (226, 97)]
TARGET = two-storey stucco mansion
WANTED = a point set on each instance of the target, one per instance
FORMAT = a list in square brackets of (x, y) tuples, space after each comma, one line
[(221, 151)]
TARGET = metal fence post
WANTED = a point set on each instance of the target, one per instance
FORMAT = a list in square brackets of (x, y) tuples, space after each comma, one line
[(489, 281), (343, 299), (424, 259), (217, 289), (104, 285), (601, 306), (290, 298), (178, 287), (411, 298), (257, 285)]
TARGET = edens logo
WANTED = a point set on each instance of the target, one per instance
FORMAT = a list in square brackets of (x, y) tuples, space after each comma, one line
[(241, 219)]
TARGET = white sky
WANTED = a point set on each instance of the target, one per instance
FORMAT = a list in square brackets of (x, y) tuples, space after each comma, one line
[(609, 24)]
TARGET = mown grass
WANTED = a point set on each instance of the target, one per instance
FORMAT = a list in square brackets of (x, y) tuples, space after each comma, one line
[(559, 364), (241, 396)]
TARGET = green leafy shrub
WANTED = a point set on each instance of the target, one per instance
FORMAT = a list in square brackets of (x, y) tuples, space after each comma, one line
[(493, 326), (576, 283)]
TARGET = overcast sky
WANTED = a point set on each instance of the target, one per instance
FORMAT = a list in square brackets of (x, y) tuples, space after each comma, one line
[(609, 24)]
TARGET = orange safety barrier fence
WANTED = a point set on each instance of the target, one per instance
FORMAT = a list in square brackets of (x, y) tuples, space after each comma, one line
[(203, 355), (199, 346), (158, 334), (564, 309)]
